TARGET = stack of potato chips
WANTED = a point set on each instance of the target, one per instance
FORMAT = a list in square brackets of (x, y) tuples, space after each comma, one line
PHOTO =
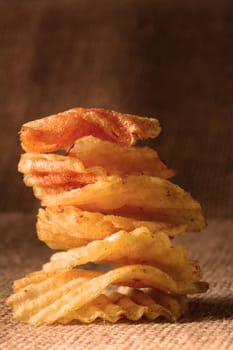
[(105, 201)]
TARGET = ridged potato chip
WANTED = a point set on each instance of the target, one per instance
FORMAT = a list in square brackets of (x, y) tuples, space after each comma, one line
[(59, 131), (53, 169), (67, 227), (36, 163), (176, 304), (116, 305), (145, 197), (76, 180), (136, 247), (50, 297), (101, 307), (57, 170), (119, 159)]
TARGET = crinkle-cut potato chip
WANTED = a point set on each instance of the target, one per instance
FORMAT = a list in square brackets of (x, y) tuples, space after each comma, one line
[(137, 247), (38, 277), (176, 304), (103, 158), (70, 227), (60, 131), (116, 306), (101, 307), (144, 197), (119, 159), (53, 170), (61, 179), (55, 189), (36, 163), (52, 297)]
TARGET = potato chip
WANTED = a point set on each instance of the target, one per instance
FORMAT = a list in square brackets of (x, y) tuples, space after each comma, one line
[(177, 305), (69, 227), (132, 306), (144, 197), (146, 306), (59, 131), (34, 163), (55, 189), (114, 307), (57, 170), (38, 277), (137, 247), (101, 307), (61, 293), (119, 159), (76, 180)]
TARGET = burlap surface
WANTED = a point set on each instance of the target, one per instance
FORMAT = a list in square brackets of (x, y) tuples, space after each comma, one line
[(209, 326)]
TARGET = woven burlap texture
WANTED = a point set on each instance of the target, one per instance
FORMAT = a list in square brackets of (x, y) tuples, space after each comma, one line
[(209, 326)]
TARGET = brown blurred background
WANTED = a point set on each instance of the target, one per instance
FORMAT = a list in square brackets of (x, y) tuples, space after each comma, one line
[(169, 59)]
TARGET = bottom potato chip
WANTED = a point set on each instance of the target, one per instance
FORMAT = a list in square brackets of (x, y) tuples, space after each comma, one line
[(50, 297), (176, 304), (115, 306)]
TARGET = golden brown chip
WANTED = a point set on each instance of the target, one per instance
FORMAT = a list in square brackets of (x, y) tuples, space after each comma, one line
[(137, 247), (69, 227), (137, 304), (38, 277), (54, 296), (55, 189), (119, 159), (61, 179), (59, 131), (144, 197), (101, 307), (53, 170), (115, 306), (177, 305), (57, 170), (34, 163)]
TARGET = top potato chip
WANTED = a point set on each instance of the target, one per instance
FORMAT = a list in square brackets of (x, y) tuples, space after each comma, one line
[(59, 131)]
